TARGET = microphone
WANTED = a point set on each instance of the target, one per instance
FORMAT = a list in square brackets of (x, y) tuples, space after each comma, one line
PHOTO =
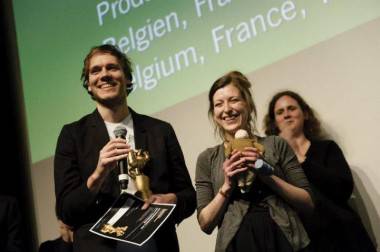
[(263, 168), (121, 132)]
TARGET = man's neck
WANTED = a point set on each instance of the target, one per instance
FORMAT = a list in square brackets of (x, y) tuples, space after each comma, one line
[(115, 114)]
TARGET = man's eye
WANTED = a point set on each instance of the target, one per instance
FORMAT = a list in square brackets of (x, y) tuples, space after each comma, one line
[(94, 70), (113, 67)]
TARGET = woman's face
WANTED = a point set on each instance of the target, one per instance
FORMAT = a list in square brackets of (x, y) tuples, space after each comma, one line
[(289, 116), (230, 110)]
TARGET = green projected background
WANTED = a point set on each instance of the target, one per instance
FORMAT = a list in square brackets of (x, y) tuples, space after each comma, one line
[(178, 47)]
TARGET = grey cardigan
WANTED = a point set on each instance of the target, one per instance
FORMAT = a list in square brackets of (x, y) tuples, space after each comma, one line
[(209, 178)]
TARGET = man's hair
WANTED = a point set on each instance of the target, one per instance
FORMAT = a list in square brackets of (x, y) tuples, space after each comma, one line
[(312, 126), (241, 82), (123, 60)]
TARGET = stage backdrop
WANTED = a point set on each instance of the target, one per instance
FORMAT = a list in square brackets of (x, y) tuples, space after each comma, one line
[(327, 50)]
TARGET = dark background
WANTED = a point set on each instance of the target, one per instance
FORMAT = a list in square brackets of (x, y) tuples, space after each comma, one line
[(15, 165)]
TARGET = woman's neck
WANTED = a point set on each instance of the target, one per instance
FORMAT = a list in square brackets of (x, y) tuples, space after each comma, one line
[(300, 145)]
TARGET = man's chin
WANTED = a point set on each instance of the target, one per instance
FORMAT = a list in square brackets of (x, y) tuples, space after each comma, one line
[(110, 101)]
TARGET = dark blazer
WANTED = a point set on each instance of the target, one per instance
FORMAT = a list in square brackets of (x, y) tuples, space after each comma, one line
[(76, 158), (11, 230), (57, 245)]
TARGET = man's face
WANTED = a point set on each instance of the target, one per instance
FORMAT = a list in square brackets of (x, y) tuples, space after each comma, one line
[(106, 80)]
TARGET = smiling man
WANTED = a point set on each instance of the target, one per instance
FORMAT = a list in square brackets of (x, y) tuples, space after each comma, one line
[(87, 153)]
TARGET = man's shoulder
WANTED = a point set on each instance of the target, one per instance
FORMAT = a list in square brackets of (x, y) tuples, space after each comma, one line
[(149, 121), (83, 121)]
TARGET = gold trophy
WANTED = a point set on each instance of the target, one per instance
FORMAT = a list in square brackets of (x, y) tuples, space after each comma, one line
[(136, 162), (241, 141)]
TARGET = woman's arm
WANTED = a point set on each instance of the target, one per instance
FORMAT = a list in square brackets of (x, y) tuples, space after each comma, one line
[(297, 197), (328, 170), (292, 185), (210, 204)]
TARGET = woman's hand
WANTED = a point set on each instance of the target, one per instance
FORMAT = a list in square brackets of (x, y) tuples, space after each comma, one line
[(250, 155), (237, 163)]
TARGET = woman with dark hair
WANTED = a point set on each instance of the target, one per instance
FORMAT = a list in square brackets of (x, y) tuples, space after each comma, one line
[(265, 217), (333, 226)]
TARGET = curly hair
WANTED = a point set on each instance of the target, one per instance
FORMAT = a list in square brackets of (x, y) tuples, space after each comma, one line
[(312, 126), (242, 83)]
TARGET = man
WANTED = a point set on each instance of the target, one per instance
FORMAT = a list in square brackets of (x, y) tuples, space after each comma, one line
[(87, 152), (64, 243), (11, 231)]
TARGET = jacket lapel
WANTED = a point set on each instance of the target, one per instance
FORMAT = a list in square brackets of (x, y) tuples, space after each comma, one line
[(139, 128), (98, 130)]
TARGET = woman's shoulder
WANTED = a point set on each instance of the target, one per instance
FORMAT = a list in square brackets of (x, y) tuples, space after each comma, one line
[(211, 155), (324, 144), (324, 148), (210, 152), (272, 141)]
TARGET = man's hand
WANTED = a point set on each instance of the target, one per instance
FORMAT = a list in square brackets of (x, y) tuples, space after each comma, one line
[(169, 198), (113, 151)]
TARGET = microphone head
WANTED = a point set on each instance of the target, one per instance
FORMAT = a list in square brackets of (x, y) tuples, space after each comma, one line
[(120, 132), (241, 134)]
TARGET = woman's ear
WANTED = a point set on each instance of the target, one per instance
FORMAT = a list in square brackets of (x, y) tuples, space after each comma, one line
[(305, 116)]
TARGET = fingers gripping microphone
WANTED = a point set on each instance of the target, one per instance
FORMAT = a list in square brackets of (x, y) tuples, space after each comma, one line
[(121, 132)]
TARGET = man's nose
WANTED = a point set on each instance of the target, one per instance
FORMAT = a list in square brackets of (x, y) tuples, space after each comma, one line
[(105, 75)]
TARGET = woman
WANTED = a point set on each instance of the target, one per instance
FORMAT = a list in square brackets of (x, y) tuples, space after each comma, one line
[(265, 218), (333, 226)]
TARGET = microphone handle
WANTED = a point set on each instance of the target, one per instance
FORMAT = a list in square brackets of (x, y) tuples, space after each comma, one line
[(263, 168), (123, 174)]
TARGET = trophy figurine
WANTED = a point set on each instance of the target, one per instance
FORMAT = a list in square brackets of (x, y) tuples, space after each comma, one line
[(241, 141), (136, 162)]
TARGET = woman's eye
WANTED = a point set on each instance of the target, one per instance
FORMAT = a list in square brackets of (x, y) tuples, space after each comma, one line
[(279, 112)]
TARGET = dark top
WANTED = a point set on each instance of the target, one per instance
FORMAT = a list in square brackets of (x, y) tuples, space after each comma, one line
[(57, 245), (76, 158), (257, 231), (334, 225), (11, 236)]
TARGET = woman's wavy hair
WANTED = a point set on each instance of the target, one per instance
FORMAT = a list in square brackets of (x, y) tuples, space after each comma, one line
[(312, 126), (242, 83)]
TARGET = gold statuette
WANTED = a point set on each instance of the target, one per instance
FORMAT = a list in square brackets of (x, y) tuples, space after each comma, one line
[(109, 229), (136, 162), (242, 140)]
